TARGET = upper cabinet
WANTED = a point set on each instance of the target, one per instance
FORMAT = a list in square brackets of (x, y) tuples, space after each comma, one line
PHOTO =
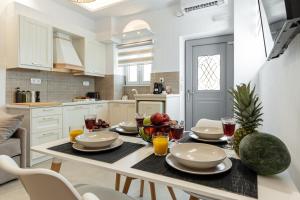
[(95, 54), (29, 44)]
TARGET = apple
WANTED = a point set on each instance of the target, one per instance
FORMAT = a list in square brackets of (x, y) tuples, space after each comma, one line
[(160, 118)]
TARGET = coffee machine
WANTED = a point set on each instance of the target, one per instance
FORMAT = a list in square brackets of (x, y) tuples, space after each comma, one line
[(158, 88)]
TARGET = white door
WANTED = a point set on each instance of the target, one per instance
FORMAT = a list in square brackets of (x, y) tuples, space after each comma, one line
[(74, 116), (209, 76), (35, 43)]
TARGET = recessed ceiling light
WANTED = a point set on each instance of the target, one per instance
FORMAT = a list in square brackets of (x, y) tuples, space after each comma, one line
[(94, 5)]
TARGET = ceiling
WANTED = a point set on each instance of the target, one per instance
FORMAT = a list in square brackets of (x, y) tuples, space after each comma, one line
[(124, 8)]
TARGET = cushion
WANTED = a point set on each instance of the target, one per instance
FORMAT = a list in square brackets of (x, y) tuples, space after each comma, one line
[(11, 147), (4, 176), (9, 124)]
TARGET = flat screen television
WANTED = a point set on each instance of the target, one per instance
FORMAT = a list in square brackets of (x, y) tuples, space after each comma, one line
[(283, 20)]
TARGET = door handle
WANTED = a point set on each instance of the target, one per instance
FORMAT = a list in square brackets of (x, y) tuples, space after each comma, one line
[(189, 93)]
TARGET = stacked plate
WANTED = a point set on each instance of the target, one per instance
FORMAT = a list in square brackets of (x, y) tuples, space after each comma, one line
[(97, 141), (208, 134), (128, 128), (198, 158)]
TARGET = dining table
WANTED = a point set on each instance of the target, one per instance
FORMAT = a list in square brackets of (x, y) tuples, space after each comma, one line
[(136, 156)]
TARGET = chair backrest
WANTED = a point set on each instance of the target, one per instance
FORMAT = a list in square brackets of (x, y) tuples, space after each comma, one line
[(41, 184), (209, 123)]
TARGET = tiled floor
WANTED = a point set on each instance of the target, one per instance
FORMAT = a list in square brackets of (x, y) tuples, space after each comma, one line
[(78, 173)]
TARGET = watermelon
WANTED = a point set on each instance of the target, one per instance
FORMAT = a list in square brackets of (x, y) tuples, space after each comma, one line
[(264, 153)]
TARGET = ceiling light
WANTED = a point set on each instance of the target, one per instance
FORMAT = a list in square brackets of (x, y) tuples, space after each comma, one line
[(83, 1), (94, 5)]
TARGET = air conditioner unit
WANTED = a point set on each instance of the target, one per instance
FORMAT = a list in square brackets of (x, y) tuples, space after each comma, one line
[(194, 5)]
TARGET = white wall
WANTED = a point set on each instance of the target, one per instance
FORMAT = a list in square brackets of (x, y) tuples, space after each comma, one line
[(279, 85), (168, 29), (249, 52)]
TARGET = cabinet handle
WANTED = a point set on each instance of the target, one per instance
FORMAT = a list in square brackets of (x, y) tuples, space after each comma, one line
[(47, 134)]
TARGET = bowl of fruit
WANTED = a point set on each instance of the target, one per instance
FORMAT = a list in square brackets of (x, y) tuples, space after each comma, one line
[(100, 125), (158, 122)]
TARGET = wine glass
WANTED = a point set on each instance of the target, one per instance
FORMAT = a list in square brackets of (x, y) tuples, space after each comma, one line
[(90, 122), (176, 131), (228, 128)]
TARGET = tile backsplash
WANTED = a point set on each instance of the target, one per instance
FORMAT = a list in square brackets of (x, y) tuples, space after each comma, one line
[(54, 87)]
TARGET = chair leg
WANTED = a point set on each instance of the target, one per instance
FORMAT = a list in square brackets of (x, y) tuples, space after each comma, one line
[(193, 198), (152, 191), (56, 165), (127, 184), (142, 188), (172, 193), (117, 183)]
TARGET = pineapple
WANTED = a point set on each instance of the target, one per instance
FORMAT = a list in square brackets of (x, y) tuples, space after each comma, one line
[(247, 111)]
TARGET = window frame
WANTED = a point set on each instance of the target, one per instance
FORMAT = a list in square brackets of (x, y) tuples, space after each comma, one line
[(140, 75)]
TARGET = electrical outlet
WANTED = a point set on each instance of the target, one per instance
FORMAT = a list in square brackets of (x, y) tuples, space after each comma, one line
[(36, 81), (86, 83)]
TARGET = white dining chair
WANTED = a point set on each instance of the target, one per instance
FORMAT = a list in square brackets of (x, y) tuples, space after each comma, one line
[(44, 184), (209, 123)]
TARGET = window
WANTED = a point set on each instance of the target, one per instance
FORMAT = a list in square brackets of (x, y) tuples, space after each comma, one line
[(138, 74)]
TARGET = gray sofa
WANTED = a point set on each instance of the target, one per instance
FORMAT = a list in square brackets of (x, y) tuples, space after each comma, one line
[(15, 147)]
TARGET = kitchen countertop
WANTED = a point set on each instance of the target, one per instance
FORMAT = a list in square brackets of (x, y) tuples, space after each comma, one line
[(57, 104)]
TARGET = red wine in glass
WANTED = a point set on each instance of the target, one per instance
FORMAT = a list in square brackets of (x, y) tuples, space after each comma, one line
[(90, 122), (229, 129), (176, 133)]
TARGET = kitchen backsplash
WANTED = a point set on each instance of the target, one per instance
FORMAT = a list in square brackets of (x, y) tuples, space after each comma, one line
[(110, 87), (55, 86), (140, 89), (171, 79)]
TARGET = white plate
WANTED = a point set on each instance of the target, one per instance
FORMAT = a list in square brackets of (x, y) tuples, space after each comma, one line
[(198, 155), (221, 168), (194, 136), (128, 126), (208, 133), (114, 145), (121, 130)]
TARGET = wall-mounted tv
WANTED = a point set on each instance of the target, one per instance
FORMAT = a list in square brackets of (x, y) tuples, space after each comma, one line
[(283, 19)]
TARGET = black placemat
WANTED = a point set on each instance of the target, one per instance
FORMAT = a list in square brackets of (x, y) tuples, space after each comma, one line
[(187, 139), (122, 133), (239, 179), (109, 156)]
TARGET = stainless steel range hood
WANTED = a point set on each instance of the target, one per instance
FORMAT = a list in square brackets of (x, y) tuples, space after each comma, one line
[(65, 57)]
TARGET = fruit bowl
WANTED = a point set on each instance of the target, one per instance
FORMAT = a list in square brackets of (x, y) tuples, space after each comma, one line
[(146, 132)]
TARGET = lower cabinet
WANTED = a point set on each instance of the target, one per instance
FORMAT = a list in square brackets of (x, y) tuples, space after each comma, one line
[(120, 112), (101, 110)]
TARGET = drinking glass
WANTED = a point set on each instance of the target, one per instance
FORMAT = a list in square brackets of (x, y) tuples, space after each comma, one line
[(160, 143), (228, 128), (176, 131), (139, 119), (74, 131), (90, 122)]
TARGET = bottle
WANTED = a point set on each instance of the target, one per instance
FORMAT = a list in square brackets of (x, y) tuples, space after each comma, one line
[(18, 95), (28, 96), (32, 96), (23, 93), (37, 96)]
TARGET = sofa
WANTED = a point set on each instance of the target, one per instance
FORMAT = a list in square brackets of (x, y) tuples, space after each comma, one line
[(14, 147)]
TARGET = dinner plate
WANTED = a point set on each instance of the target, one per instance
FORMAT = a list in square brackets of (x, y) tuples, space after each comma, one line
[(208, 133), (221, 168), (121, 130), (194, 136), (82, 148)]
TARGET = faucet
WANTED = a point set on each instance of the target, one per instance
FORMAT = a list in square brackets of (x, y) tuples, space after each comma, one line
[(134, 91)]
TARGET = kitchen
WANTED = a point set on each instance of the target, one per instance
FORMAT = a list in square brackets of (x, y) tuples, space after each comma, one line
[(59, 67)]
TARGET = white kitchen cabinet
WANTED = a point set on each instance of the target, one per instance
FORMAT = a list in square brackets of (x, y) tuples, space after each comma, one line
[(74, 116), (94, 57), (101, 110), (119, 112), (29, 44)]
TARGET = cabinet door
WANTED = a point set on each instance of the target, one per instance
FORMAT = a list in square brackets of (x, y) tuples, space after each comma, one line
[(74, 116), (101, 110), (35, 44), (131, 112), (95, 58), (117, 113)]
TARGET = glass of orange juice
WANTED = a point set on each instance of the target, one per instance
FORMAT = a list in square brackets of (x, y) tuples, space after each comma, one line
[(74, 131), (160, 143)]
